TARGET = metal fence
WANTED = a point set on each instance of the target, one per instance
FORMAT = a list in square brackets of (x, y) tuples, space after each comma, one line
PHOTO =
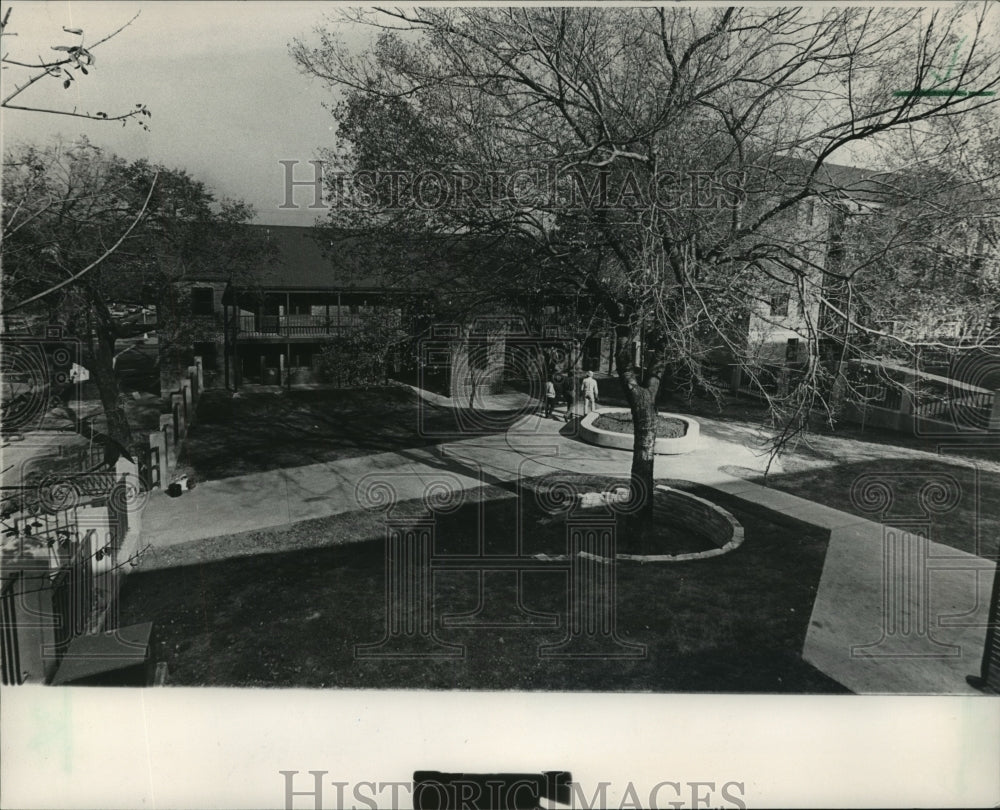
[(149, 467), (943, 400), (63, 564), (10, 652)]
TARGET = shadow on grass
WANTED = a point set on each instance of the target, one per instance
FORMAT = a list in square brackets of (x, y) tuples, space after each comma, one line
[(229, 615), (266, 431)]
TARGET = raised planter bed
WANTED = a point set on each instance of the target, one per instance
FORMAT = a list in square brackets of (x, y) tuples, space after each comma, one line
[(677, 510), (623, 441)]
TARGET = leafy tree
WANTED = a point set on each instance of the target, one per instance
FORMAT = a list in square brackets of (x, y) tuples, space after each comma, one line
[(937, 276), (64, 205), (361, 357)]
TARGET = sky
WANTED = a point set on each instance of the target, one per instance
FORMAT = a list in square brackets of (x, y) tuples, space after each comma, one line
[(227, 100)]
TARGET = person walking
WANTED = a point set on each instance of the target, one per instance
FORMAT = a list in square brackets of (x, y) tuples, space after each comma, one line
[(569, 392), (589, 390), (550, 398)]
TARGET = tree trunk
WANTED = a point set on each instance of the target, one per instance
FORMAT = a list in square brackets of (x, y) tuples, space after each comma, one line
[(642, 403), (107, 385), (643, 406)]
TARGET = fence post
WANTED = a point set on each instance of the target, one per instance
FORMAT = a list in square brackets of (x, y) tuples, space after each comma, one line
[(838, 391), (192, 379), (200, 373), (782, 381), (166, 426), (188, 401), (177, 408), (31, 622), (734, 379), (158, 443)]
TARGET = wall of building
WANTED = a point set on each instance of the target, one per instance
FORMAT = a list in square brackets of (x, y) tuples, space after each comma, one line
[(768, 333)]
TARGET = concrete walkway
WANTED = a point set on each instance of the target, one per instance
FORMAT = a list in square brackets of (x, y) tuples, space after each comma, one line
[(894, 613), (878, 626), (532, 447)]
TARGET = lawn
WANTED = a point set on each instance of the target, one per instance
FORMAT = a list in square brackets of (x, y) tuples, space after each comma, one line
[(261, 431), (667, 427), (826, 466), (286, 607)]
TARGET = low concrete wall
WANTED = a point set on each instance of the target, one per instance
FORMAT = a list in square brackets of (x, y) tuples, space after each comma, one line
[(165, 446), (674, 507), (914, 424), (624, 441)]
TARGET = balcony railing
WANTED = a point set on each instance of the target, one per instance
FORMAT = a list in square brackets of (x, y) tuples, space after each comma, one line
[(921, 395), (299, 325)]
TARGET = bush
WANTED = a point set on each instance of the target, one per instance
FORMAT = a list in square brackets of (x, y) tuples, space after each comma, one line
[(345, 362), (358, 358)]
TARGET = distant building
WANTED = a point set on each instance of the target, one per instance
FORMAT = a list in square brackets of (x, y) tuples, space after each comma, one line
[(271, 325)]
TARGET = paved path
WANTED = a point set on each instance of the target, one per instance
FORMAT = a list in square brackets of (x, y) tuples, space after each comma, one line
[(894, 613), (875, 627), (532, 447)]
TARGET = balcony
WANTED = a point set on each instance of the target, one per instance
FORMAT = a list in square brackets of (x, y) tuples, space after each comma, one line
[(295, 326)]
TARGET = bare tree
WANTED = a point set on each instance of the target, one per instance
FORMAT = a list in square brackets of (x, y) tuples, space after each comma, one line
[(73, 61), (706, 136)]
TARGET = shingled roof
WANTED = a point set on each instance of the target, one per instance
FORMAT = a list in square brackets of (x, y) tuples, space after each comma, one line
[(306, 258)]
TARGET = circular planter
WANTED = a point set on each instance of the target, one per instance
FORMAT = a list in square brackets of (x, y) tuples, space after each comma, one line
[(624, 441), (675, 509)]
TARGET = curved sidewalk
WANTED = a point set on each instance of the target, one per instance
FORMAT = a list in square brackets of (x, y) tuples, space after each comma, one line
[(878, 626)]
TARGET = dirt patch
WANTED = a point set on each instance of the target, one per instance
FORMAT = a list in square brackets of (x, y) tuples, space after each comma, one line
[(667, 427)]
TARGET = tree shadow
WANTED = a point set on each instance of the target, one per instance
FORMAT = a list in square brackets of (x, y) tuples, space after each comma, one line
[(269, 613), (266, 431)]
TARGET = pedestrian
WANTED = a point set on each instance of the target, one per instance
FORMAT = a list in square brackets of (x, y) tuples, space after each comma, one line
[(569, 392), (550, 398), (589, 390)]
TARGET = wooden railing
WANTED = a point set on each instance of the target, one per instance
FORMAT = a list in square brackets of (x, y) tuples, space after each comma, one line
[(299, 325), (887, 395)]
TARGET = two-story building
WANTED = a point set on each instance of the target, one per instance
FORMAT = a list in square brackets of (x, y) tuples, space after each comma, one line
[(272, 323)]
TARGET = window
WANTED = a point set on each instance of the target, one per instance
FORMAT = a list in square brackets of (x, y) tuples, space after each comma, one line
[(779, 303), (202, 301), (810, 212), (792, 350)]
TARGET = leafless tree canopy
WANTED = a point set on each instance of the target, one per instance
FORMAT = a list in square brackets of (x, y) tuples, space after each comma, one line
[(649, 97)]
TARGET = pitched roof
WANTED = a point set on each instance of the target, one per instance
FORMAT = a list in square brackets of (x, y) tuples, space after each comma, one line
[(306, 258), (303, 262), (832, 180)]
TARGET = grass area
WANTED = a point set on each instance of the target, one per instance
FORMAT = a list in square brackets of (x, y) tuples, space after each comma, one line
[(272, 430), (286, 607), (970, 520), (667, 427), (826, 465)]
